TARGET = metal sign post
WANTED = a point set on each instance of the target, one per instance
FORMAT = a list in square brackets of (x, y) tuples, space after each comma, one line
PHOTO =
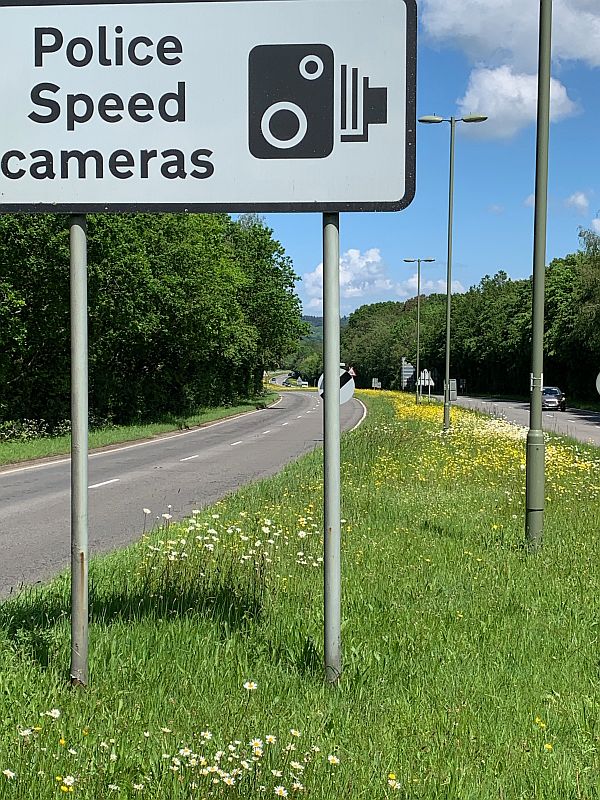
[(79, 453), (331, 442)]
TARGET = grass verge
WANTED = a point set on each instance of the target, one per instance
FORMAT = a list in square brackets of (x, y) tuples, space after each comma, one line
[(471, 668), (13, 452)]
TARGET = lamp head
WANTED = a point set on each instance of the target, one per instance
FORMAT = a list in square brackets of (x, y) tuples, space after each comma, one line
[(474, 118), (410, 260), (432, 119)]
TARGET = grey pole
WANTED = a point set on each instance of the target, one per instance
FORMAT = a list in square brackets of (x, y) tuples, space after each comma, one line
[(331, 440), (449, 279), (534, 515), (418, 324), (79, 453)]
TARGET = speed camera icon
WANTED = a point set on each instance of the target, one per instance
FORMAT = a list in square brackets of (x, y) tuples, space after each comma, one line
[(291, 102)]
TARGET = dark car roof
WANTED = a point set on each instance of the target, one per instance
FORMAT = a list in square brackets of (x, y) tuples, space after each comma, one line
[(551, 390)]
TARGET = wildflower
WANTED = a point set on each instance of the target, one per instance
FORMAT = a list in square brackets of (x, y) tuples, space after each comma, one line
[(10, 775), (254, 743), (138, 786), (250, 686), (54, 713), (72, 751), (297, 786), (228, 780), (167, 517), (281, 791), (185, 752), (113, 787), (294, 732), (26, 732), (549, 747), (147, 734), (166, 730), (333, 759), (297, 766), (146, 511), (62, 741), (64, 788), (270, 739), (276, 773)]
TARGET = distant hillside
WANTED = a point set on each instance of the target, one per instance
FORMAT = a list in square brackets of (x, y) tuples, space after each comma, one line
[(316, 325)]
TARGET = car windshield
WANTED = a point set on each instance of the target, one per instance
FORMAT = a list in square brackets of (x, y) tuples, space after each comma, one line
[(551, 390)]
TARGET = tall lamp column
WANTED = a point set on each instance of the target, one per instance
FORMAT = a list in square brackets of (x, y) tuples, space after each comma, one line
[(411, 261), (429, 120)]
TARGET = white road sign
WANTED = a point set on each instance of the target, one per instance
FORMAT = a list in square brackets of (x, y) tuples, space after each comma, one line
[(347, 386), (207, 105), (426, 379)]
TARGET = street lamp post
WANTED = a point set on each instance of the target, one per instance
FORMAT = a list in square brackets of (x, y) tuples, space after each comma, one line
[(412, 261), (534, 475), (452, 120)]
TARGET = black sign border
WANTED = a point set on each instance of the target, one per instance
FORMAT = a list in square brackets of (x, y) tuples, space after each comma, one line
[(394, 205)]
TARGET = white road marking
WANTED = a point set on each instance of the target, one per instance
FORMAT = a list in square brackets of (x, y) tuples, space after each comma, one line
[(104, 483), (233, 444), (189, 458), (299, 416), (263, 433), (284, 423)]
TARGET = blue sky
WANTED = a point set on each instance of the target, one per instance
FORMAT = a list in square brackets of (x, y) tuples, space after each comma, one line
[(475, 56)]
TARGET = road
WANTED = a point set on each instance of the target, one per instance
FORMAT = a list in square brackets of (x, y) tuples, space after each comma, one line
[(574, 422), (173, 474)]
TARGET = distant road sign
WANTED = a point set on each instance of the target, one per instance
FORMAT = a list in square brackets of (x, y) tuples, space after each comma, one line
[(426, 379), (346, 386), (375, 383), (198, 105)]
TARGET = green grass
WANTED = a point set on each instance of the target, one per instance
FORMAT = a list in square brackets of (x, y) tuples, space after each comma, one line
[(16, 451), (470, 668)]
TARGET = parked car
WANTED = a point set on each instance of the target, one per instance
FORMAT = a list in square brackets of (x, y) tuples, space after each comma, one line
[(553, 398), (301, 382), (286, 383)]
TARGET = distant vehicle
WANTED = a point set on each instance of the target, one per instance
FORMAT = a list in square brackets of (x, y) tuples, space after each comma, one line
[(302, 383), (553, 398), (286, 383), (273, 380)]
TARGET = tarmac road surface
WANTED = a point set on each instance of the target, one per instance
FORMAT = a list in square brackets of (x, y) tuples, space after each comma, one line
[(174, 473)]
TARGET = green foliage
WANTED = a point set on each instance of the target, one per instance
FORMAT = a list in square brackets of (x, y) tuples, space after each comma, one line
[(491, 331), (185, 311)]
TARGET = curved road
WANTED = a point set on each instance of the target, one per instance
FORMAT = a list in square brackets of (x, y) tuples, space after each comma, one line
[(575, 422), (184, 470)]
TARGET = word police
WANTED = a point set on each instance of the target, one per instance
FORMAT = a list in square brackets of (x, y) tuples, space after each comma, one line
[(79, 52), (53, 104)]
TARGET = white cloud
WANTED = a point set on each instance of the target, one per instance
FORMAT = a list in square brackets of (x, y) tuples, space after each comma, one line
[(529, 201), (596, 225), (503, 31), (509, 99), (578, 201), (496, 208), (364, 278)]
